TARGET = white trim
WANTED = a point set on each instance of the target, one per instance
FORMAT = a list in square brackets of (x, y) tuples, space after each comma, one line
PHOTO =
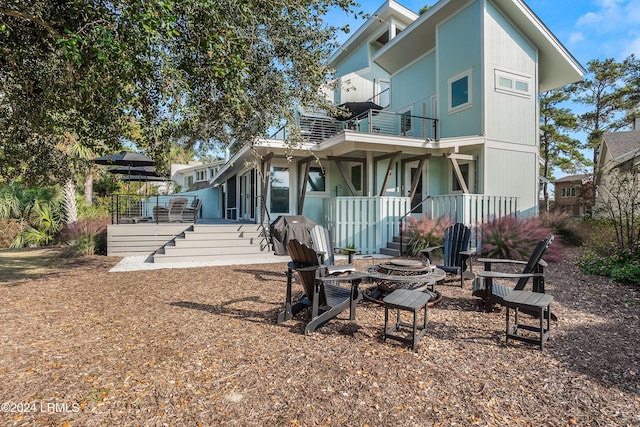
[(507, 82)]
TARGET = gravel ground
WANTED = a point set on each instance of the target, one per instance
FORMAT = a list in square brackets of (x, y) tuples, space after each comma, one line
[(82, 346)]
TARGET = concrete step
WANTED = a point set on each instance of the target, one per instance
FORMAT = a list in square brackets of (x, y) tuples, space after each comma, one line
[(217, 235), (216, 243), (185, 251), (231, 258)]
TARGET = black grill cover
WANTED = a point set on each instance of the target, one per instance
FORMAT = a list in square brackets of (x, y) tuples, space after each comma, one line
[(288, 227)]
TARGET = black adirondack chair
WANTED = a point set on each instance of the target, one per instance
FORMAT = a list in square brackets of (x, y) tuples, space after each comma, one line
[(457, 255), (492, 292), (323, 244), (323, 293)]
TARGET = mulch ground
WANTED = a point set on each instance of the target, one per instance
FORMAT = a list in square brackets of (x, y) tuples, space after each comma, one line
[(199, 346)]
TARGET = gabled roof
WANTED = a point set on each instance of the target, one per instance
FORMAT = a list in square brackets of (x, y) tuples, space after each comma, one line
[(557, 67), (581, 178), (389, 9), (621, 143)]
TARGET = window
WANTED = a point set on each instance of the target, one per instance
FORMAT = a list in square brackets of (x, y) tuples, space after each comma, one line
[(356, 177), (406, 122), (512, 84), (279, 189), (384, 93), (460, 91), (200, 175), (316, 179), (568, 192), (464, 169)]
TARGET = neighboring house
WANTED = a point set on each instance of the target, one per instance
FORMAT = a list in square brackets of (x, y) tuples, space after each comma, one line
[(194, 175), (573, 194), (619, 151), (455, 120)]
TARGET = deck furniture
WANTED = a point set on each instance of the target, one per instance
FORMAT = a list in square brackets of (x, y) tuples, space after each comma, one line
[(492, 292), (323, 293), (323, 244), (190, 213), (530, 301), (405, 300), (457, 255), (171, 213)]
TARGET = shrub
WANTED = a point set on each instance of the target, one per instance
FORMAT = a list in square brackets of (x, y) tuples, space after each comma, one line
[(426, 232), (513, 238), (566, 228), (619, 265), (86, 237)]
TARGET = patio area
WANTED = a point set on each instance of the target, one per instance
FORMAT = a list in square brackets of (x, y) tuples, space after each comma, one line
[(200, 346)]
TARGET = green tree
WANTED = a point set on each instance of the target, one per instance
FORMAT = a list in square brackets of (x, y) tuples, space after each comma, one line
[(196, 72), (558, 149), (603, 92)]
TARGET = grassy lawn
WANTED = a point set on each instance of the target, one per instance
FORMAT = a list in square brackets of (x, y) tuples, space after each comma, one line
[(21, 264)]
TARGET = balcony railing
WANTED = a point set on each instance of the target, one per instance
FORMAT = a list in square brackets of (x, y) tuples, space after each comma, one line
[(318, 129)]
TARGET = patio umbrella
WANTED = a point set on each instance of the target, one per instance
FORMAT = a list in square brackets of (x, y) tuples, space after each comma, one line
[(135, 170), (143, 178), (354, 109), (125, 158)]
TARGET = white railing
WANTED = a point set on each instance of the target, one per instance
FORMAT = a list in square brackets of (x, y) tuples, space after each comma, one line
[(470, 209), (369, 223)]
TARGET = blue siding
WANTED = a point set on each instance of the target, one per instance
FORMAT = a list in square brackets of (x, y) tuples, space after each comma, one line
[(459, 49)]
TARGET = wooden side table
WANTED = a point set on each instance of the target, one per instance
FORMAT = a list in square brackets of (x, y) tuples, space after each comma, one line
[(406, 300), (535, 301)]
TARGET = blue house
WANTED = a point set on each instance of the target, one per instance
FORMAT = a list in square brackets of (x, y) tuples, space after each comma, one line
[(439, 116)]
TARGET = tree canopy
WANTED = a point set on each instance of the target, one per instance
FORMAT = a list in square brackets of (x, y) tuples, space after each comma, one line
[(198, 72)]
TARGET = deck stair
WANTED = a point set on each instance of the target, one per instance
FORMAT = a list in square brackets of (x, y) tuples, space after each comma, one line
[(393, 248), (211, 242)]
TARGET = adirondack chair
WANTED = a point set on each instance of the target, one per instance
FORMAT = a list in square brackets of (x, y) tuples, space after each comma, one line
[(323, 244), (457, 255), (323, 293), (171, 213), (190, 213), (492, 292)]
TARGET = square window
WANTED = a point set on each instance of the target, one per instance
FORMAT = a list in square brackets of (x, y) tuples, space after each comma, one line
[(464, 169), (460, 91), (316, 179)]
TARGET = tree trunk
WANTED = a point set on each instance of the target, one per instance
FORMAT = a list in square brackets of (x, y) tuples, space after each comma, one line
[(88, 188), (70, 206)]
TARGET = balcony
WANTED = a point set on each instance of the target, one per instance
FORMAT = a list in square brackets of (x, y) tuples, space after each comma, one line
[(317, 128)]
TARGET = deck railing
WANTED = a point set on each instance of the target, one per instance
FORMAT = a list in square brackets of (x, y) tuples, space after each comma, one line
[(317, 129), (368, 223)]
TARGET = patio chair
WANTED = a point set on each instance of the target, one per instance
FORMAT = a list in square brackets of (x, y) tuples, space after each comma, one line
[(492, 292), (190, 213), (171, 213), (323, 293), (323, 245), (457, 255)]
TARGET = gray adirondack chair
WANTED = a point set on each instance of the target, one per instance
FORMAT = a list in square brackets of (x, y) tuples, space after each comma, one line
[(493, 292), (457, 255), (323, 294)]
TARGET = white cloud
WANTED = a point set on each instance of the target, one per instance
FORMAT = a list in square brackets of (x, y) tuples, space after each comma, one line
[(575, 38), (632, 47)]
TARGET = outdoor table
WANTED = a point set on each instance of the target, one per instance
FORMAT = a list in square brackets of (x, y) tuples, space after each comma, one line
[(403, 274)]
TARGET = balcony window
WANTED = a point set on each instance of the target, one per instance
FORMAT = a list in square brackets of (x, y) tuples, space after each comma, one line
[(406, 125)]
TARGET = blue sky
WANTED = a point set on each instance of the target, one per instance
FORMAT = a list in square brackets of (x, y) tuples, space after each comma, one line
[(589, 29)]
